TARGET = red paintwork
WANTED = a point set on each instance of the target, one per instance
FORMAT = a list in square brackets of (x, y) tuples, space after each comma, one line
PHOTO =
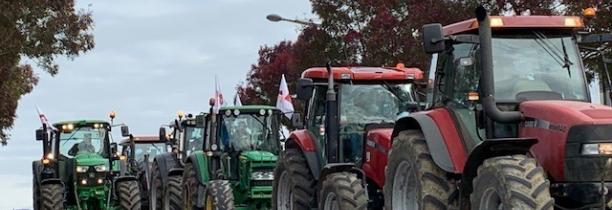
[(365, 73), (553, 22), (304, 140), (374, 165), (450, 134), (550, 149)]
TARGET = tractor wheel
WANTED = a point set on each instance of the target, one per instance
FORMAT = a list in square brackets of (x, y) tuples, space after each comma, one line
[(343, 190), (190, 187), (293, 185), (413, 181), (144, 193), (156, 190), (174, 193), (219, 195), (52, 197), (511, 182), (128, 193), (35, 194)]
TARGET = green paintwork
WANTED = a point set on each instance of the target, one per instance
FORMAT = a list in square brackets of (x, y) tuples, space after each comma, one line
[(90, 159), (254, 108), (202, 161), (80, 122), (256, 156)]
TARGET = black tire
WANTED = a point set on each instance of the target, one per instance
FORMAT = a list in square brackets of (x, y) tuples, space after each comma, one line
[(190, 188), (52, 197), (128, 193), (144, 193), (298, 182), (343, 190), (156, 190), (511, 182), (35, 194), (174, 192), (410, 159), (219, 195)]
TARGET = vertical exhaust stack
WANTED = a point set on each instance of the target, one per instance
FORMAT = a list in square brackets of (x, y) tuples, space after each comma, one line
[(486, 62), (332, 122)]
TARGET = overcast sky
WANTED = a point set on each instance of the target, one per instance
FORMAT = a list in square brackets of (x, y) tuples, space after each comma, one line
[(152, 58)]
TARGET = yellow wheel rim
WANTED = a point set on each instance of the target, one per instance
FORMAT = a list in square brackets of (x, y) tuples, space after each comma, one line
[(209, 203)]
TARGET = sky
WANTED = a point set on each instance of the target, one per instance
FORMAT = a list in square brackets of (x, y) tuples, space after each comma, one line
[(152, 58)]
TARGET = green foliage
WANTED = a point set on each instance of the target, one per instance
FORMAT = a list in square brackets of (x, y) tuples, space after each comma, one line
[(38, 30)]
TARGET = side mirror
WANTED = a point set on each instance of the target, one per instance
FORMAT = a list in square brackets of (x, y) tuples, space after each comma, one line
[(125, 131), (162, 134), (304, 89), (40, 134), (113, 148), (433, 38), (296, 120)]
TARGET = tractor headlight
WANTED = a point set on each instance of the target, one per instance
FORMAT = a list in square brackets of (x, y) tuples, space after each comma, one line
[(81, 169), (597, 149), (262, 175), (101, 168)]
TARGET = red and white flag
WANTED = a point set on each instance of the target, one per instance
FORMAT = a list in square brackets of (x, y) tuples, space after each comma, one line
[(218, 97), (283, 102), (43, 119)]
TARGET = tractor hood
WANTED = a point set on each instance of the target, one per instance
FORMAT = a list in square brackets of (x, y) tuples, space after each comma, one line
[(90, 159), (259, 156), (567, 113), (379, 138)]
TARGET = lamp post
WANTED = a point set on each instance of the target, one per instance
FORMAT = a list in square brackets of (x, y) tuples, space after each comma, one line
[(278, 18)]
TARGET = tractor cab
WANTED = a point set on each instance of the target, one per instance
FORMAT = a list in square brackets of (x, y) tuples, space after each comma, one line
[(142, 148), (369, 98), (187, 133)]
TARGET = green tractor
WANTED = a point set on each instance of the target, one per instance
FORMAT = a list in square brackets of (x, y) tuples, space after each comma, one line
[(80, 169), (186, 136), (235, 168)]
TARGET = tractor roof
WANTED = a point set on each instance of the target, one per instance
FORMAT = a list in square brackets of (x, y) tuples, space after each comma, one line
[(365, 73), (143, 140), (81, 122), (248, 107), (517, 22)]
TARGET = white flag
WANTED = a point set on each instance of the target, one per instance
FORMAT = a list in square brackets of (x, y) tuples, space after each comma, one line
[(218, 97), (43, 119), (283, 102), (237, 101)]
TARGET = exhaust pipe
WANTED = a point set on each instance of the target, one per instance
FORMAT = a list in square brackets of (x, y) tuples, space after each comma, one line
[(486, 62)]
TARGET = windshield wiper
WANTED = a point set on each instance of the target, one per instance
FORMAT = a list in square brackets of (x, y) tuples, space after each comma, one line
[(553, 51), (70, 137)]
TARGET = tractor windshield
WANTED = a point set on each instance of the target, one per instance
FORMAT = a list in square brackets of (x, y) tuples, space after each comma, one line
[(366, 104), (82, 140), (152, 149), (380, 103), (194, 139), (247, 132), (537, 64)]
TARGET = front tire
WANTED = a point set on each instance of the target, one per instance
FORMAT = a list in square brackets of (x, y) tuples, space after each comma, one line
[(174, 192), (219, 195), (293, 186), (156, 197), (511, 182), (343, 190), (52, 197), (413, 181), (129, 195)]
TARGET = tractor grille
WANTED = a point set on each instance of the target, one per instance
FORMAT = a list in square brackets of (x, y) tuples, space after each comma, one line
[(587, 168), (261, 182), (91, 177)]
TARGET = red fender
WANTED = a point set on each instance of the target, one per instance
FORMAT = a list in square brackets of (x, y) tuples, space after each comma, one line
[(452, 139), (304, 139), (378, 143)]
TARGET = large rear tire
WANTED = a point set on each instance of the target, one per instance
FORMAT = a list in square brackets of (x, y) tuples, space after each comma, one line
[(174, 192), (511, 182), (343, 190), (52, 197), (293, 186), (413, 181), (190, 188), (128, 193), (219, 195)]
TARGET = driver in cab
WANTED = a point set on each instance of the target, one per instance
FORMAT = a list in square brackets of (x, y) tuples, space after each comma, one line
[(83, 147)]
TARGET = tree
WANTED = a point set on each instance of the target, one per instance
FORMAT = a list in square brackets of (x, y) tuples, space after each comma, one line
[(39, 30)]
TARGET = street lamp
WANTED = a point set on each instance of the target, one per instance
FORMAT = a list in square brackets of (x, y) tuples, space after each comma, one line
[(278, 18)]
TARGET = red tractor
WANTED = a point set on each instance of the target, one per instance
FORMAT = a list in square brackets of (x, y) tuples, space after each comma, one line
[(506, 91), (337, 161)]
